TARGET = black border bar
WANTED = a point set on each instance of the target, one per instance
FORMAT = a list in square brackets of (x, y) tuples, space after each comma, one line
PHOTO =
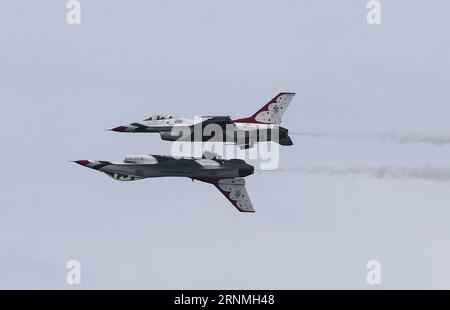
[(219, 298)]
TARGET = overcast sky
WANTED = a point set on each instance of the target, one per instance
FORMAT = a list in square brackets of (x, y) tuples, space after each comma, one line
[(61, 85)]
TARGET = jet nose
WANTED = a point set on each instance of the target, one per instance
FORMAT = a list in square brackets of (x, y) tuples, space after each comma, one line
[(82, 162), (119, 129)]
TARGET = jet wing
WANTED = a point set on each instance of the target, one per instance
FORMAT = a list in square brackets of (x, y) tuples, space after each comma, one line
[(234, 190)]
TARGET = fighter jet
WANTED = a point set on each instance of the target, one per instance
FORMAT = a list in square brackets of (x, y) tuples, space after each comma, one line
[(226, 175), (264, 125)]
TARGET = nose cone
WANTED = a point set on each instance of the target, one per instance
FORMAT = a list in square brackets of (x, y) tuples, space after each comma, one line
[(83, 162), (93, 164), (119, 129)]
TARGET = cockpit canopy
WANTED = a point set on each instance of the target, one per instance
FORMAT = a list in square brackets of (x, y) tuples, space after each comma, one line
[(159, 117), (210, 155), (140, 159)]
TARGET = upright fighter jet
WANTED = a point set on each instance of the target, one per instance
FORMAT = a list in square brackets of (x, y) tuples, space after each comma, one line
[(262, 126), (226, 175)]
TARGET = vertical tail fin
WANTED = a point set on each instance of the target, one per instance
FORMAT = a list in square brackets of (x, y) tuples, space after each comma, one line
[(272, 112)]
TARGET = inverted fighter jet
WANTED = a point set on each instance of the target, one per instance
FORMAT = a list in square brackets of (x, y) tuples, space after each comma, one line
[(262, 126), (226, 175)]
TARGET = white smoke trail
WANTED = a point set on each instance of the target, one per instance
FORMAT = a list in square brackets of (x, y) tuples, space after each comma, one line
[(436, 140), (435, 174)]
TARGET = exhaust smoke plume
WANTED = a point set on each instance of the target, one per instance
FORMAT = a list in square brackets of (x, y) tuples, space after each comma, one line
[(427, 173), (437, 140), (434, 174)]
